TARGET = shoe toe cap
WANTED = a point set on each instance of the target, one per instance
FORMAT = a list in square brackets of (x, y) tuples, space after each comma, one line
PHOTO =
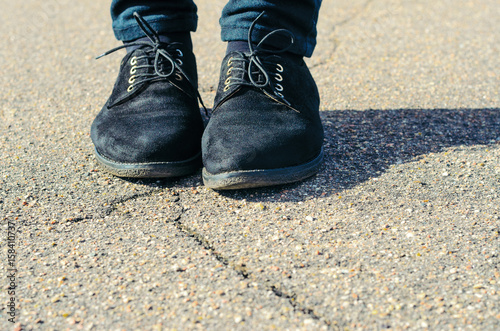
[(229, 146), (145, 138)]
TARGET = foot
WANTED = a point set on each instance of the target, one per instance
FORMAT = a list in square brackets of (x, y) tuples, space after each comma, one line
[(265, 127), (151, 124)]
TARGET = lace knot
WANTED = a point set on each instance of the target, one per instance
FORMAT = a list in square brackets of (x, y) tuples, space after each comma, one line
[(258, 75)]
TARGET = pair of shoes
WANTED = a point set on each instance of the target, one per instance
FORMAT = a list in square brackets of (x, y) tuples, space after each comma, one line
[(264, 130)]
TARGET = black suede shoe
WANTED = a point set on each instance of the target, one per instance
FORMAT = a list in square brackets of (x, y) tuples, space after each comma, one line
[(151, 124), (265, 127)]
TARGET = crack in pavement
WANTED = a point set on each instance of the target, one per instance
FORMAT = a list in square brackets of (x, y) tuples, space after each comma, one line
[(243, 271), (240, 269), (113, 205), (335, 42), (353, 16), (110, 207)]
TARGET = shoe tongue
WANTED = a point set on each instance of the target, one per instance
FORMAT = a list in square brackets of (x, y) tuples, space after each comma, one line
[(131, 48), (237, 46)]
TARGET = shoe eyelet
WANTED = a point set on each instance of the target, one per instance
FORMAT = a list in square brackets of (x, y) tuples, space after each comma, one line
[(131, 80), (226, 88), (133, 70), (179, 61), (178, 76), (228, 80), (230, 61), (278, 77), (279, 87), (229, 71), (179, 52), (279, 94), (130, 88), (279, 67), (133, 61)]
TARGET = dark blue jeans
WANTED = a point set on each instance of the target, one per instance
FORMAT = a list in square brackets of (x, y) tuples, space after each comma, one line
[(297, 16)]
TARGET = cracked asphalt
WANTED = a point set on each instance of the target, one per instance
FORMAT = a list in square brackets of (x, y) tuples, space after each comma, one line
[(399, 230)]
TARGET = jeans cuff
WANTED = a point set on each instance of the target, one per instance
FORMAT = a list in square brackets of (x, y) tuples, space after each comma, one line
[(162, 26)]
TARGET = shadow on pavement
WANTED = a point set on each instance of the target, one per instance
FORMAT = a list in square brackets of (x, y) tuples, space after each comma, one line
[(360, 145)]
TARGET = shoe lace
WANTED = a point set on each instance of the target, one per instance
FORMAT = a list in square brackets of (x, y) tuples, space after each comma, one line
[(256, 64), (162, 55)]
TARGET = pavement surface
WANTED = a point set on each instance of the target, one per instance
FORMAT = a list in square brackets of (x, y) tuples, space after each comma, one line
[(399, 230)]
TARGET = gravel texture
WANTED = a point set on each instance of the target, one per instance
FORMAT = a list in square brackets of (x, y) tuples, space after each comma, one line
[(399, 230)]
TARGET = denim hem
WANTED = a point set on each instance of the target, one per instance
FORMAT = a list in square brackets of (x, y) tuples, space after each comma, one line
[(132, 31), (310, 40), (301, 46)]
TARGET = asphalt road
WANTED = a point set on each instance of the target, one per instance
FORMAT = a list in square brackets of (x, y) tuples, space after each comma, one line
[(399, 230)]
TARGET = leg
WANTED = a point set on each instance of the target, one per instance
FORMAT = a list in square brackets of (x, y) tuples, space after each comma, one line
[(265, 128), (298, 16), (163, 16)]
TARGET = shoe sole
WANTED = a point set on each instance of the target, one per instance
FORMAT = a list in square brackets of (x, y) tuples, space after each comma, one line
[(234, 180), (151, 169)]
